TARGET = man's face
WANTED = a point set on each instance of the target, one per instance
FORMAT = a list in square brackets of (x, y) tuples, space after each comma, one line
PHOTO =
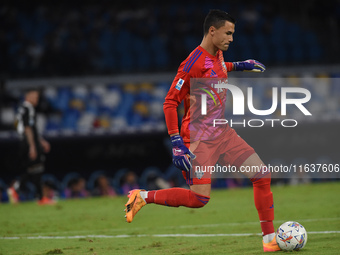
[(223, 36), (33, 97)]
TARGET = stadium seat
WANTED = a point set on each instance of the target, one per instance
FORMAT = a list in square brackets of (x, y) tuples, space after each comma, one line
[(70, 119), (64, 96), (51, 95), (158, 52), (53, 123), (125, 107), (125, 56), (142, 54), (311, 44), (79, 92)]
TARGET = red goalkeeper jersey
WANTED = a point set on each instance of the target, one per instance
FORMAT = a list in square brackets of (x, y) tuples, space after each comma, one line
[(199, 64)]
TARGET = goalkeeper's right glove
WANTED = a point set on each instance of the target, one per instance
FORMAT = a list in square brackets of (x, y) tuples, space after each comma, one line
[(249, 65), (181, 155)]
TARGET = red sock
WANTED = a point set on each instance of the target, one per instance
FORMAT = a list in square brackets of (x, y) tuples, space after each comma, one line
[(176, 197), (264, 202), (267, 227)]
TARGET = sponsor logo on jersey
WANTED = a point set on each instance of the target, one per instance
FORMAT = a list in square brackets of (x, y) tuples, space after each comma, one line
[(213, 74), (179, 84), (199, 174)]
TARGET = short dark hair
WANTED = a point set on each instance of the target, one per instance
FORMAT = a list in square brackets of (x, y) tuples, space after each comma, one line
[(31, 89), (216, 18)]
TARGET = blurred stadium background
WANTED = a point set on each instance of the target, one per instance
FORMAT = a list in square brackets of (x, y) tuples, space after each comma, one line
[(105, 68)]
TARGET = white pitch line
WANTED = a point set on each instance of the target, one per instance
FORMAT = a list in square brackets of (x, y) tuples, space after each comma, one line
[(173, 227), (155, 235)]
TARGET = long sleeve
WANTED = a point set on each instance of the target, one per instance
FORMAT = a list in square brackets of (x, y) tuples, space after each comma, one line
[(229, 66), (179, 89)]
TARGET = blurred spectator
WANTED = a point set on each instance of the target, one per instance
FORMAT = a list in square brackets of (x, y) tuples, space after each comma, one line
[(130, 183), (102, 187), (76, 188), (155, 182), (50, 194)]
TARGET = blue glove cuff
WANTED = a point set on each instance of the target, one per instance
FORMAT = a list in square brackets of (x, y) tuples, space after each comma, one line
[(249, 65), (176, 140), (239, 66)]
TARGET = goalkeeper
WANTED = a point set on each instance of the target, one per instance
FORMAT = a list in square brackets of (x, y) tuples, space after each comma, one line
[(207, 61)]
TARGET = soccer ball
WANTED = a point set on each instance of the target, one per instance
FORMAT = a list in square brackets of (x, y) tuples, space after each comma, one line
[(291, 236)]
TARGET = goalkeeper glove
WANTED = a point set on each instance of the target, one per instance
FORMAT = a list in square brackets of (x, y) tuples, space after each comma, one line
[(181, 155), (249, 65)]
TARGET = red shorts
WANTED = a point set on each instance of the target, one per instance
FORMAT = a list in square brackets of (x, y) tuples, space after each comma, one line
[(228, 149)]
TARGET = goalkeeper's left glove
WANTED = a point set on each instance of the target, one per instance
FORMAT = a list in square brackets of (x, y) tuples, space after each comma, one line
[(181, 155), (249, 65)]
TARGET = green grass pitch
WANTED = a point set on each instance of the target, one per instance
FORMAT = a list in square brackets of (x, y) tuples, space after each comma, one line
[(96, 226)]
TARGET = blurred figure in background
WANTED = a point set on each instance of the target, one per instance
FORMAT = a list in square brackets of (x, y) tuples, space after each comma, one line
[(50, 192), (156, 182), (102, 187), (76, 188), (130, 183), (32, 149)]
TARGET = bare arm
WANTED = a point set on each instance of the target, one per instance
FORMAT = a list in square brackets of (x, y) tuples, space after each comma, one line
[(46, 145), (30, 139)]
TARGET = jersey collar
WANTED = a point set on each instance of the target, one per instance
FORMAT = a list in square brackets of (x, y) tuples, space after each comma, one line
[(207, 53)]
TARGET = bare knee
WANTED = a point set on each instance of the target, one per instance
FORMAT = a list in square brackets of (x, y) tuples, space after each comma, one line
[(201, 189)]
